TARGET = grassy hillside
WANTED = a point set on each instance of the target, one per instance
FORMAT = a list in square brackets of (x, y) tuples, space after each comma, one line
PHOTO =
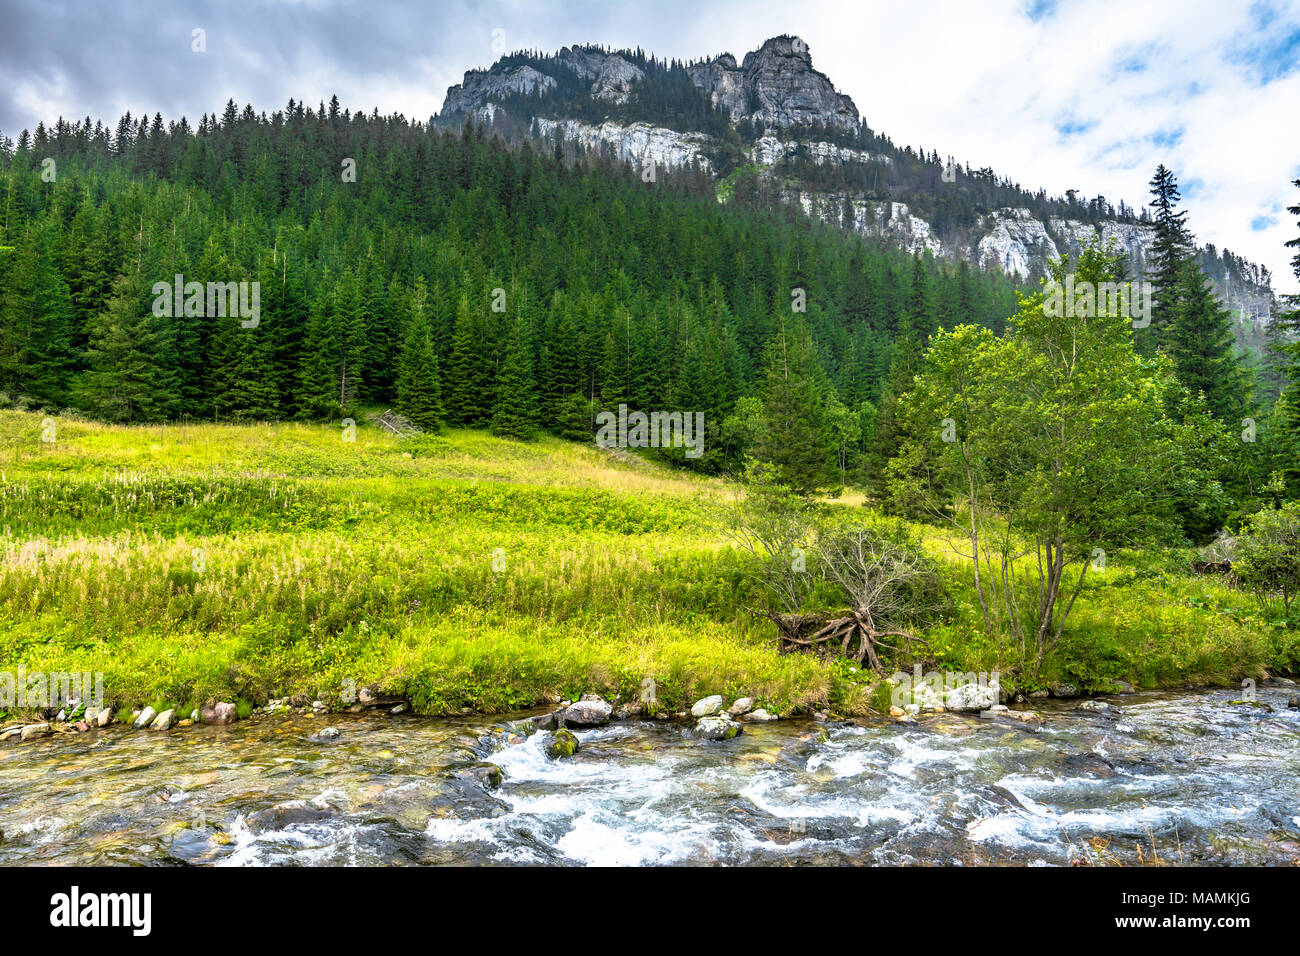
[(250, 561)]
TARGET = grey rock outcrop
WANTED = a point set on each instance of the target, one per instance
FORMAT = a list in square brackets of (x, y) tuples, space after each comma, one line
[(776, 85)]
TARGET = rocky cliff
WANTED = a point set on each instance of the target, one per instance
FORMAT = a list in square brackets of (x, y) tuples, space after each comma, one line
[(775, 116)]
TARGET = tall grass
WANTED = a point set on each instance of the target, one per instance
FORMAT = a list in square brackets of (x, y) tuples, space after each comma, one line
[(200, 561)]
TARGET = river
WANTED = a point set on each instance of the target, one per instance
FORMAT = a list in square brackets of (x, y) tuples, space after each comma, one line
[(1183, 778)]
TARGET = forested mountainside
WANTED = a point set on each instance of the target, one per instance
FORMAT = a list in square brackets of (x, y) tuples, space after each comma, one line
[(523, 291), (773, 126)]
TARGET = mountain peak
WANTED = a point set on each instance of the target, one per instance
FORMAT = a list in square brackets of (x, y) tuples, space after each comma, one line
[(773, 86), (785, 45)]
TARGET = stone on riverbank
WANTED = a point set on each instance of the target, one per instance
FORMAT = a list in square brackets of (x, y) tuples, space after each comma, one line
[(741, 707), (588, 713), (1063, 690), (759, 716), (707, 706), (32, 731), (220, 713), (145, 718), (103, 718), (164, 721), (971, 697)]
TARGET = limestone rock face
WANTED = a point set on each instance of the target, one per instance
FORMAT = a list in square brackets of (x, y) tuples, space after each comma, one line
[(639, 143), (768, 150)]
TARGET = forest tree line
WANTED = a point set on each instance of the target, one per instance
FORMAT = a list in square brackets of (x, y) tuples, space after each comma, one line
[(470, 283)]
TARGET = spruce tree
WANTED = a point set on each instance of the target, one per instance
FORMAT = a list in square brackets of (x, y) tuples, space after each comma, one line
[(795, 439), (1287, 412), (1199, 340), (36, 317), (469, 380), (1171, 245), (128, 378)]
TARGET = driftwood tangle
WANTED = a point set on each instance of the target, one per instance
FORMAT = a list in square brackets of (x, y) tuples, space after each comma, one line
[(852, 632)]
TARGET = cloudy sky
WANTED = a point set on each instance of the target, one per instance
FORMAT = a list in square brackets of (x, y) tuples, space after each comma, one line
[(1086, 95)]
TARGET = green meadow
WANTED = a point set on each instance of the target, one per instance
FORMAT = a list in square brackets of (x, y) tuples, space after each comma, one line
[(199, 562)]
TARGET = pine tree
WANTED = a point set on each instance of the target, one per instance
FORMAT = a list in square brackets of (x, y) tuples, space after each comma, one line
[(36, 316), (469, 380), (419, 386), (1287, 412), (316, 396)]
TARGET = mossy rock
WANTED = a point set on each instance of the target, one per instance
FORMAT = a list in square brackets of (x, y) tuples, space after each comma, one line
[(561, 743)]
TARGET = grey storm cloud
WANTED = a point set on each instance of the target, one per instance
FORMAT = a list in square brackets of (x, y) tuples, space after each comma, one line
[(101, 58), (104, 57)]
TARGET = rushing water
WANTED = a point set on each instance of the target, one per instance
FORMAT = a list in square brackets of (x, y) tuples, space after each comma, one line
[(1188, 777)]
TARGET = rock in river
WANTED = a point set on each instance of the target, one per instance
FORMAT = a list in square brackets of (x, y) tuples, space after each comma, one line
[(32, 731), (287, 814), (716, 728), (971, 696), (561, 743), (1098, 707)]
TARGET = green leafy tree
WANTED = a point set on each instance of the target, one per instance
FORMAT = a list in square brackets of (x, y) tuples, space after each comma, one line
[(1268, 558), (1044, 447)]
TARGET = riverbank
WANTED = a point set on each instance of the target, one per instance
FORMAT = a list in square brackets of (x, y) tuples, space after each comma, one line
[(245, 563)]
